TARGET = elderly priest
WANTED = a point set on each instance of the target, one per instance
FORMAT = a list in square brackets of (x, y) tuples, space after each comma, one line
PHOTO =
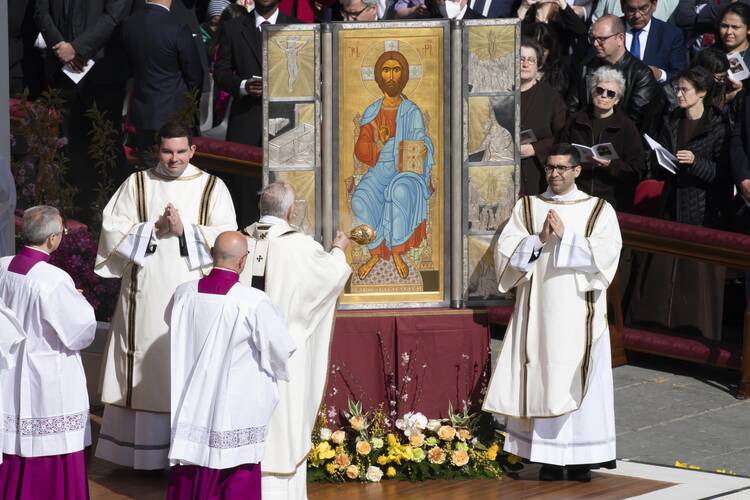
[(156, 234), (553, 378), (305, 281), (45, 401), (229, 346)]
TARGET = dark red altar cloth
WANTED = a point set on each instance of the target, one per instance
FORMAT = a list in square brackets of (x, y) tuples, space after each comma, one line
[(409, 360)]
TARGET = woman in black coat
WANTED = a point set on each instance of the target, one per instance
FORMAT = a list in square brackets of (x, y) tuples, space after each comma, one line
[(611, 179)]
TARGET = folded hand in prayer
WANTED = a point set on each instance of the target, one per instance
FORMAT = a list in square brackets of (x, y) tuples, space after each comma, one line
[(169, 223)]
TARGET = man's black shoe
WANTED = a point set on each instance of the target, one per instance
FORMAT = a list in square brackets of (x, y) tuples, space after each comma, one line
[(579, 473), (551, 473)]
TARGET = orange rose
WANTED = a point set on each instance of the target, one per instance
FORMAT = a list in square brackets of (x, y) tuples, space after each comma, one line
[(358, 422), (436, 455), (342, 460), (352, 472), (463, 434), (363, 448), (446, 433), (459, 458), (416, 439)]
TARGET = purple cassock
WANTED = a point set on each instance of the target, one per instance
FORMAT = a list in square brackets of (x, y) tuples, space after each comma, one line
[(55, 477), (193, 482)]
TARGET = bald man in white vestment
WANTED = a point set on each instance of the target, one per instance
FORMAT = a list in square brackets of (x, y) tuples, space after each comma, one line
[(229, 347), (553, 379), (305, 281), (157, 231), (46, 404)]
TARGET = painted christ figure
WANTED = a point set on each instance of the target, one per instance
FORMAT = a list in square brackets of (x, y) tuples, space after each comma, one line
[(392, 196)]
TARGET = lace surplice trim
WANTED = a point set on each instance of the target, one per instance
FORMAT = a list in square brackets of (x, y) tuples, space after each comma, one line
[(45, 426), (223, 440)]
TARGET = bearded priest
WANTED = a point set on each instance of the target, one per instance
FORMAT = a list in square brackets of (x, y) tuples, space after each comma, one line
[(157, 231), (45, 401), (229, 346), (305, 281), (553, 379)]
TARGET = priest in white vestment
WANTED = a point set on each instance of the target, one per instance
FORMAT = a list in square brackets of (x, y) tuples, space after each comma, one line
[(45, 401), (157, 231), (553, 378), (229, 346), (305, 281)]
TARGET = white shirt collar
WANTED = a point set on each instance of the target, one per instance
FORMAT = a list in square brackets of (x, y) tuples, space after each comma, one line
[(643, 30), (158, 4), (259, 19), (571, 195), (463, 12), (37, 249), (226, 269), (272, 220)]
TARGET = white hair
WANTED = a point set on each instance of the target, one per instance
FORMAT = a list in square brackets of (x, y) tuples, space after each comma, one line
[(39, 223), (276, 199), (607, 74), (367, 3)]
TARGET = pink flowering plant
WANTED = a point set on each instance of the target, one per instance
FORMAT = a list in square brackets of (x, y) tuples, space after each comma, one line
[(372, 447)]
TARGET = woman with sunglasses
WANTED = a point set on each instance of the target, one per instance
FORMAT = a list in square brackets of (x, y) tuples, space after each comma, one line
[(680, 294), (543, 112), (611, 179)]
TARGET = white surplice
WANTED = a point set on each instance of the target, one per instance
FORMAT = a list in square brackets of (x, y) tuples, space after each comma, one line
[(135, 381), (11, 341), (305, 281), (46, 404), (227, 353), (552, 368)]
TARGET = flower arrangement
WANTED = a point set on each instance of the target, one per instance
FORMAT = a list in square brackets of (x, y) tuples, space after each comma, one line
[(372, 447)]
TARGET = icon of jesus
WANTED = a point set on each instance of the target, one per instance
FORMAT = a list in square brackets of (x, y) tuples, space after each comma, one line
[(392, 195)]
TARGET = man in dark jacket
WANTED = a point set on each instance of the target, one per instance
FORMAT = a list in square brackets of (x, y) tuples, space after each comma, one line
[(239, 69), (643, 98), (166, 66), (76, 31)]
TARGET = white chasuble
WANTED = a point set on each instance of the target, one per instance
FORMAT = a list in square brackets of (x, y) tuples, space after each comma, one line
[(305, 281), (136, 366), (544, 367), (46, 404), (227, 353)]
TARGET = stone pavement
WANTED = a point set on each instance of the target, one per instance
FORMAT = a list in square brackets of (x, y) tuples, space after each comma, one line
[(667, 410)]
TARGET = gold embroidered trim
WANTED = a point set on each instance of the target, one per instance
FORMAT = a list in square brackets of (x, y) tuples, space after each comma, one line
[(168, 178), (205, 200)]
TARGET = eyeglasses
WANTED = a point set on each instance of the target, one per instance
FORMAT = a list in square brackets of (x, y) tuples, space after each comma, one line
[(601, 39), (530, 60), (353, 16), (560, 169), (602, 92), (642, 10)]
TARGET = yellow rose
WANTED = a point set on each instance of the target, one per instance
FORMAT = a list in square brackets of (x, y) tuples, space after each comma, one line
[(338, 437), (363, 448), (330, 468), (463, 434), (342, 460), (392, 441), (459, 458), (436, 455), (446, 433), (416, 439), (358, 422), (391, 472), (492, 454), (382, 460), (324, 451), (352, 472)]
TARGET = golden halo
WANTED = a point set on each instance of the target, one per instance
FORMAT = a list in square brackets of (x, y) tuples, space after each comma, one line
[(374, 51)]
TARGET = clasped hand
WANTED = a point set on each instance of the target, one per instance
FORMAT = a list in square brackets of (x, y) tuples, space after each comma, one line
[(169, 223), (553, 224)]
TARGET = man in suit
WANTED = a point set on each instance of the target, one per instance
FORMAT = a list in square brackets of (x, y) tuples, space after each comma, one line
[(76, 31), (161, 78), (239, 61), (238, 70), (658, 44), (24, 59), (494, 9)]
